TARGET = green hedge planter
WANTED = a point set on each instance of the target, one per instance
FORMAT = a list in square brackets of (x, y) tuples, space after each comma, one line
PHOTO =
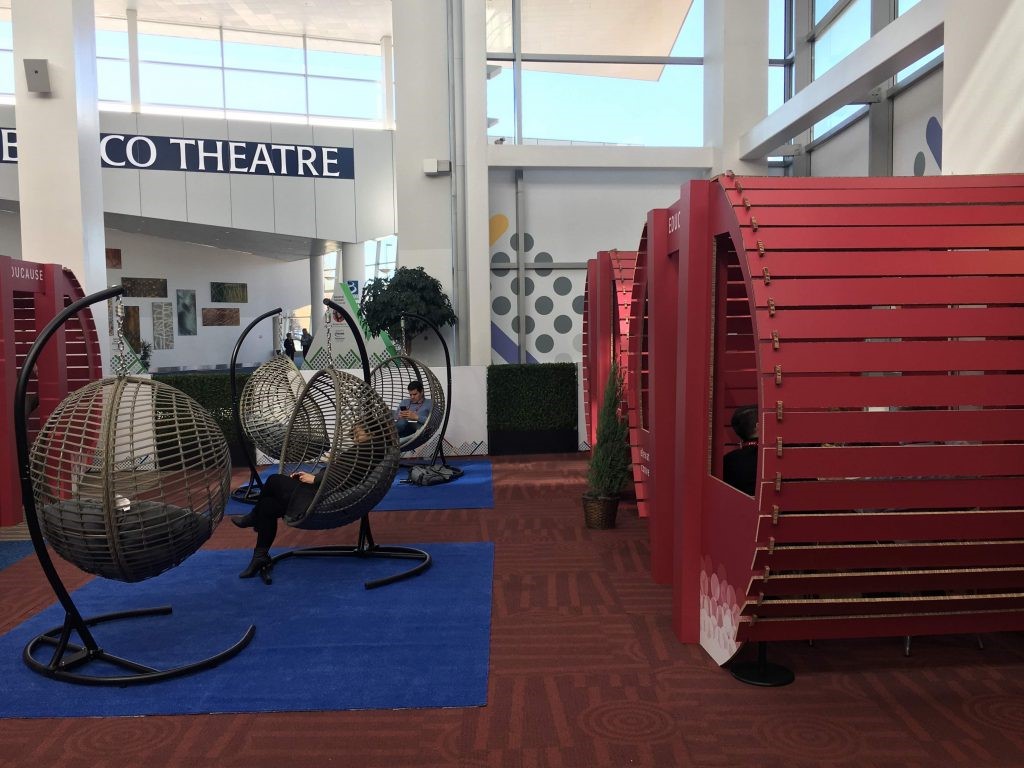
[(213, 392), (531, 409)]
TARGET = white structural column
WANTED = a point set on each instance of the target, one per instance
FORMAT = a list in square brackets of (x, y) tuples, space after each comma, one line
[(423, 132), (735, 78), (476, 208), (59, 183), (352, 265), (316, 292), (981, 132)]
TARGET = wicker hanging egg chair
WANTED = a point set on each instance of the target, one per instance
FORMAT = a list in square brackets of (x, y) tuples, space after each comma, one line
[(268, 403), (362, 457), (130, 477), (391, 380), (126, 479)]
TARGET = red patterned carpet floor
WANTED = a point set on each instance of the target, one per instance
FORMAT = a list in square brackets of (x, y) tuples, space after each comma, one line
[(585, 673)]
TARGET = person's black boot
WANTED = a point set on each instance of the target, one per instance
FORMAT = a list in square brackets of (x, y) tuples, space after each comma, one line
[(260, 559), (248, 520)]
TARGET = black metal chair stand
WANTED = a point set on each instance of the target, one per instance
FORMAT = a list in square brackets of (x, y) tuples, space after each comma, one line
[(55, 653)]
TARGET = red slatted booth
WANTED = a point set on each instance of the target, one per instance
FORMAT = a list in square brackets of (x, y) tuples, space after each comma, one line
[(654, 406), (878, 326), (606, 317), (31, 295)]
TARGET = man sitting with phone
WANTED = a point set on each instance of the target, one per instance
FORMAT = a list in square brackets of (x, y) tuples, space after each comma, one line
[(413, 411)]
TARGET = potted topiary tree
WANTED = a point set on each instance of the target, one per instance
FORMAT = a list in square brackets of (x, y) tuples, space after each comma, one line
[(407, 290), (609, 458)]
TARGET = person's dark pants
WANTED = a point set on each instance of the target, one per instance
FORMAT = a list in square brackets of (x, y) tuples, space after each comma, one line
[(273, 504)]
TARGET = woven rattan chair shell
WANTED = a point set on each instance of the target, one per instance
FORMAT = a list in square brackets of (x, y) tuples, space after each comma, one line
[(268, 402), (391, 381), (131, 476), (356, 475)]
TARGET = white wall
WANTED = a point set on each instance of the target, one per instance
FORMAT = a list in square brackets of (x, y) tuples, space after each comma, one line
[(569, 215), (983, 116), (271, 283), (845, 154), (912, 110)]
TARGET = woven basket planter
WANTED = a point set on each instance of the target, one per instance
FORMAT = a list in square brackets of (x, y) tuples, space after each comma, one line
[(599, 511)]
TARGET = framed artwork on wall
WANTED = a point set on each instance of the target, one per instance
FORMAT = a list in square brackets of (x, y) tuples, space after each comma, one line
[(145, 287), (225, 316), (113, 258), (163, 325), (186, 312), (132, 330), (231, 293)]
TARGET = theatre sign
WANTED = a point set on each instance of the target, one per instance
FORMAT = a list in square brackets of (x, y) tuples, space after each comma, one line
[(173, 153)]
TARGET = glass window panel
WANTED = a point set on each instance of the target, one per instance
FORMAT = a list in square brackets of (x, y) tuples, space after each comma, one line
[(905, 5), (690, 41), (903, 74), (111, 45), (830, 122), (176, 84), (113, 80), (344, 98), (668, 111), (776, 29), (179, 44), (776, 87), (6, 72), (844, 35), (267, 53), (501, 103), (265, 92), (6, 35), (822, 7), (499, 26), (353, 65)]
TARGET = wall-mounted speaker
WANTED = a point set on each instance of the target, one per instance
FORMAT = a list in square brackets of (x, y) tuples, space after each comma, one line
[(37, 75)]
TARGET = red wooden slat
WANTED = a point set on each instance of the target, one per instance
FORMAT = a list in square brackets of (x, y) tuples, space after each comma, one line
[(949, 196), (801, 392), (887, 323), (953, 580), (843, 263), (873, 291), (893, 426), (798, 608), (902, 461), (892, 555), (881, 626), (896, 494), (769, 217), (836, 527), (856, 356), (1006, 181), (885, 238)]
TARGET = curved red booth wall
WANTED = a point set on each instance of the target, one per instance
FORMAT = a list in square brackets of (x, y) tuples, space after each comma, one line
[(878, 326), (31, 295), (606, 318)]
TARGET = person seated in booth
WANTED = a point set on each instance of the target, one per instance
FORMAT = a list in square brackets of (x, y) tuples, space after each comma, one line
[(413, 411), (283, 492), (739, 466)]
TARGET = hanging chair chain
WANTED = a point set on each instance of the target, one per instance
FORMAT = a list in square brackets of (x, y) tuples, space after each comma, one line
[(405, 337), (329, 330), (121, 366)]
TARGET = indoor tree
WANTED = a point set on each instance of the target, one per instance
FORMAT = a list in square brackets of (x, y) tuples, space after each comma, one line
[(385, 299)]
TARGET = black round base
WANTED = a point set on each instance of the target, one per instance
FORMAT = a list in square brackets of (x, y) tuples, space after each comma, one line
[(762, 673)]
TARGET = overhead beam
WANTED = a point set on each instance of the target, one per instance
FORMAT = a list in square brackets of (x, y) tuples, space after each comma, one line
[(916, 33), (584, 156)]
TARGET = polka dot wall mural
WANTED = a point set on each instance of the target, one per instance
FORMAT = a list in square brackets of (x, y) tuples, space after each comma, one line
[(552, 300)]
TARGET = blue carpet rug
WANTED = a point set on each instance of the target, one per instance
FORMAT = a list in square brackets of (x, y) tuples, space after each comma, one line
[(474, 490), (322, 641), (12, 551)]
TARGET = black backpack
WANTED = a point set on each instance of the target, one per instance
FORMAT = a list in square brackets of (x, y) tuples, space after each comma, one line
[(431, 475)]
